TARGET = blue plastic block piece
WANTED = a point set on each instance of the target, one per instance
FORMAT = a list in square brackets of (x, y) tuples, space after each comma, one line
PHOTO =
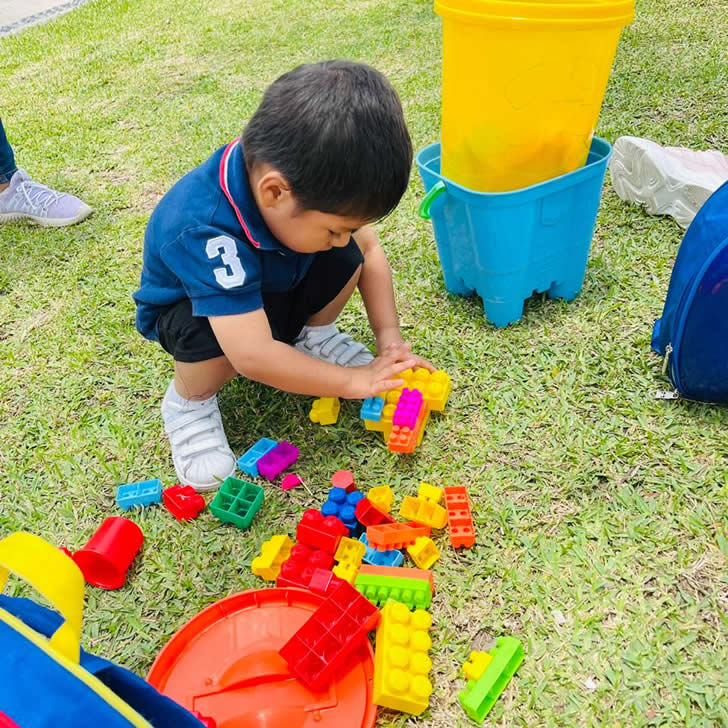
[(248, 462), (381, 558), (343, 505), (506, 245), (371, 409), (143, 493)]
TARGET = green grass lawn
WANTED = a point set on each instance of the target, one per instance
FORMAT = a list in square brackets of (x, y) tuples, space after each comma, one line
[(601, 513)]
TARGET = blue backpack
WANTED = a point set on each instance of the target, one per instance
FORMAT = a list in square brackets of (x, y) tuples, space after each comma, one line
[(692, 334)]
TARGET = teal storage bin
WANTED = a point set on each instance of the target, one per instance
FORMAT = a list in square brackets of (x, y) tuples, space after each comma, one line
[(507, 245)]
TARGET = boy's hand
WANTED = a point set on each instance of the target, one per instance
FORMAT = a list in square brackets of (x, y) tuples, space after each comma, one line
[(393, 338), (381, 374)]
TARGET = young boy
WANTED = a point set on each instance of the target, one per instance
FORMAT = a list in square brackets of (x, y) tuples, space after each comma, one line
[(250, 258)]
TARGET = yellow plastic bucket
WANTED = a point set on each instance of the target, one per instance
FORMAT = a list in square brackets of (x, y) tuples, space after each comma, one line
[(522, 85)]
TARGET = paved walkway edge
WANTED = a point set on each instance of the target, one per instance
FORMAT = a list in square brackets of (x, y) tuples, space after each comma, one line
[(41, 17)]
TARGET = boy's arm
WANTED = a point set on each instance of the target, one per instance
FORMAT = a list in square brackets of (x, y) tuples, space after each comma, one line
[(377, 292), (248, 344)]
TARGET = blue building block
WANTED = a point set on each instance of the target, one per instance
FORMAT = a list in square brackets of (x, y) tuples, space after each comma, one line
[(143, 493), (248, 462), (371, 409), (381, 558), (343, 505)]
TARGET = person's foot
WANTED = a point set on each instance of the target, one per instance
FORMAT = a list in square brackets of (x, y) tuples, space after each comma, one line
[(329, 344), (27, 199), (666, 180), (200, 450)]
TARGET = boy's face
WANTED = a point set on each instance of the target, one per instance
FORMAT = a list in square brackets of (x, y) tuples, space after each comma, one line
[(305, 231)]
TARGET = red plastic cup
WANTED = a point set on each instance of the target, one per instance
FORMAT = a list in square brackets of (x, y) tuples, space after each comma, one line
[(106, 558)]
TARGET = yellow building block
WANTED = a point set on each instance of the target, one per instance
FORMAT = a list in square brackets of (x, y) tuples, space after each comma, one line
[(325, 410), (435, 387), (382, 496), (423, 552), (422, 511), (429, 492), (401, 662), (476, 664), (349, 554), (272, 554)]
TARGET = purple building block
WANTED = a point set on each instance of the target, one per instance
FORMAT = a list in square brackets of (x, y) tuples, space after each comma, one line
[(273, 463), (408, 408)]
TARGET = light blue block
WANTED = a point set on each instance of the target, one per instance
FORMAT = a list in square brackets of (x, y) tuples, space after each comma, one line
[(143, 493), (371, 409), (507, 245), (248, 462), (381, 558)]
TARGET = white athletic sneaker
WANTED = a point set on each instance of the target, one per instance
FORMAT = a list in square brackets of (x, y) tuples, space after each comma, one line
[(329, 344), (666, 180), (25, 198), (200, 450)]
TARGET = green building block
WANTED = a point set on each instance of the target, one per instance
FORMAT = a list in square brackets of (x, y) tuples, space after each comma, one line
[(378, 589), (480, 695), (237, 502)]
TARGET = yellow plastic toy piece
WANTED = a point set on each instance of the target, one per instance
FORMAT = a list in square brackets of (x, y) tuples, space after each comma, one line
[(272, 554), (401, 662), (435, 387), (349, 554), (382, 496), (423, 552), (325, 410), (429, 492), (422, 511), (476, 664)]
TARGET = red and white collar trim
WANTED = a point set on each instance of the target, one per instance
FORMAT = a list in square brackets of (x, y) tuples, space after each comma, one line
[(225, 188)]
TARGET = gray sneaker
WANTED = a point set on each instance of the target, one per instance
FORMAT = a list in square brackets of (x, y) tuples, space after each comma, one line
[(329, 344), (31, 200)]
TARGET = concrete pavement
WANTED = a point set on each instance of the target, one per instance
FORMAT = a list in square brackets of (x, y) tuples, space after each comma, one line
[(15, 15)]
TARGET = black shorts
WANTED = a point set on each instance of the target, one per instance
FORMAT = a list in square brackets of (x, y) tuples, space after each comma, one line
[(190, 338)]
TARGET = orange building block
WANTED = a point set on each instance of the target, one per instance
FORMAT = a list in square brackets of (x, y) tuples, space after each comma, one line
[(404, 439), (460, 520), (395, 535)]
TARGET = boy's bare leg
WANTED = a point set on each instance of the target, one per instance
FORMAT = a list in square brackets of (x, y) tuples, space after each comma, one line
[(203, 379)]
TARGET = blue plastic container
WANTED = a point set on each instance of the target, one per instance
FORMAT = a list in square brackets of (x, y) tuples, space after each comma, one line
[(507, 245)]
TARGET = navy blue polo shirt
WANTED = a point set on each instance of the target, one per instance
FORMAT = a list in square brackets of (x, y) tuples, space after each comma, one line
[(207, 241)]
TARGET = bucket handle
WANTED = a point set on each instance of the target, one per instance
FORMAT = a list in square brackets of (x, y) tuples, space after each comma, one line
[(429, 198)]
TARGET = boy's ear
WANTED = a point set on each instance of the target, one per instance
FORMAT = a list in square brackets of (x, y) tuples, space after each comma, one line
[(273, 189)]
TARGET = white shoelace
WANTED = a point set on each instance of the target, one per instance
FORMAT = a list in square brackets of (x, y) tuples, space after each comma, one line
[(36, 196)]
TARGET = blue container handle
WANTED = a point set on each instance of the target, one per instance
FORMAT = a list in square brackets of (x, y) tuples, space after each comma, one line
[(429, 198)]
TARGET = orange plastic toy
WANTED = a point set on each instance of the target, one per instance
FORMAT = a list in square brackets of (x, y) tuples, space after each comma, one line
[(225, 664)]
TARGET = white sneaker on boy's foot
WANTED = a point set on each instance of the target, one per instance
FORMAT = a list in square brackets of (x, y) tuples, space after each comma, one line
[(200, 450), (25, 198), (329, 344), (666, 180)]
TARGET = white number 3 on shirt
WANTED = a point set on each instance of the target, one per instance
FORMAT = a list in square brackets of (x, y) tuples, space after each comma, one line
[(232, 274)]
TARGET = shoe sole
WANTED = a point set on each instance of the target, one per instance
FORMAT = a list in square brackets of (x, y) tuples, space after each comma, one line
[(201, 487), (640, 174), (57, 222)]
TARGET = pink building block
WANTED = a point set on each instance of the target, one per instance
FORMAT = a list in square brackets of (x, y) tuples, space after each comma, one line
[(273, 463), (408, 408), (290, 481)]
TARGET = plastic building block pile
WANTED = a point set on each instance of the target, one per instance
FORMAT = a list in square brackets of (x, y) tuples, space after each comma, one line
[(351, 551), (401, 415)]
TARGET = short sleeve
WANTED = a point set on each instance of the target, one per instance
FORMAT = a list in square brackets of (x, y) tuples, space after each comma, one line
[(220, 274)]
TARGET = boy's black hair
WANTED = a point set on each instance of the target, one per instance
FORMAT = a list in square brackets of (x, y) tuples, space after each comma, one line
[(335, 130)]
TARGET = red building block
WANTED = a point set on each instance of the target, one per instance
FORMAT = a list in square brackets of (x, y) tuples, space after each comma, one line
[(459, 517), (369, 515), (320, 532), (343, 479), (395, 535), (205, 720), (300, 566), (183, 502), (319, 650), (324, 581)]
